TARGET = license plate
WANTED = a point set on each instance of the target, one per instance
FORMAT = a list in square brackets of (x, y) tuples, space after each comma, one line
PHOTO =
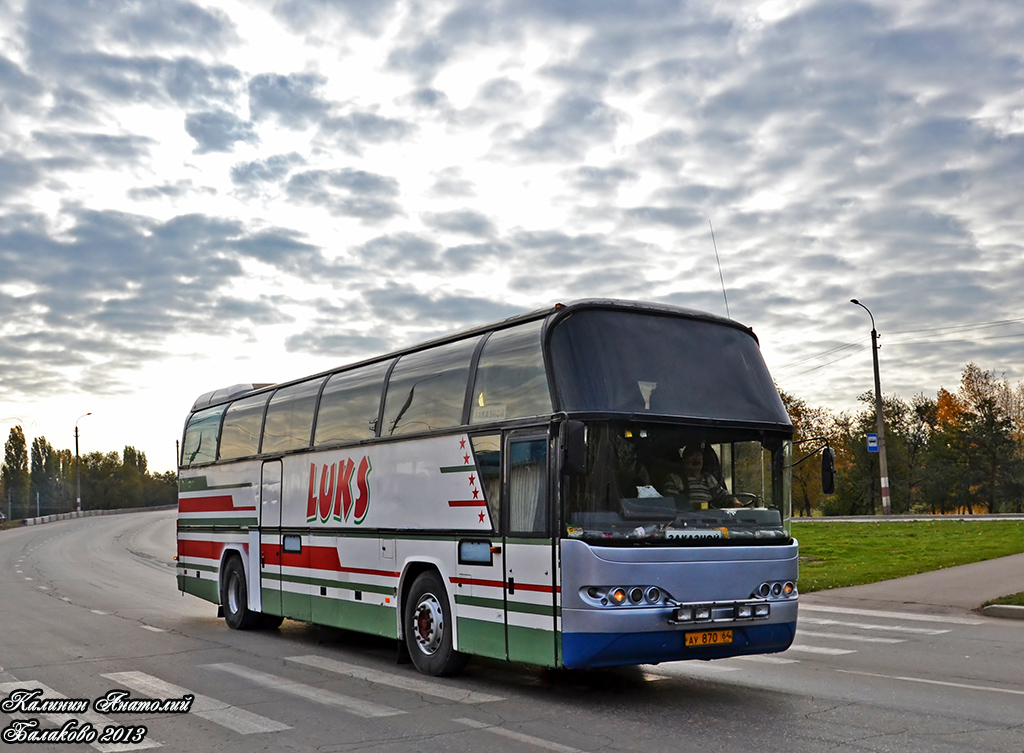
[(709, 638)]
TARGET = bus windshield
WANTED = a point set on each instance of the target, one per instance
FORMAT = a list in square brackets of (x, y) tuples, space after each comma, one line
[(677, 486)]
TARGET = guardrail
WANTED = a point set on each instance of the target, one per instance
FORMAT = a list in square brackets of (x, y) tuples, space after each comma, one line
[(90, 513)]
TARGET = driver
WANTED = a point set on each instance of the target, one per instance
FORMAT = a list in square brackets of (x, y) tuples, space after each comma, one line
[(700, 488)]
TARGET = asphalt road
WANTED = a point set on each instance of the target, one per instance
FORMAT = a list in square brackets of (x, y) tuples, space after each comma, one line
[(90, 605)]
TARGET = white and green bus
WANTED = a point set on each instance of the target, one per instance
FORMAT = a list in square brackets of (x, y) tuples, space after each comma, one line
[(522, 491)]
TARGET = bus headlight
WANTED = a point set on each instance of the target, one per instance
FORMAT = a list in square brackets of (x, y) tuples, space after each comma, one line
[(617, 596)]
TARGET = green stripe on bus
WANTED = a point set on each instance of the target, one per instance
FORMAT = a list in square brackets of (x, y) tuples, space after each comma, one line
[(202, 587), (457, 469), (514, 606), (481, 638), (199, 484), (349, 585), (531, 645), (219, 522)]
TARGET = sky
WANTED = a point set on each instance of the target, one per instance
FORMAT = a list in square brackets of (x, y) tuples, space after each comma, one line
[(198, 194)]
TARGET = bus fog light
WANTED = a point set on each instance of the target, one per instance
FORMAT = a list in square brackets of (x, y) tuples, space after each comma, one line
[(702, 612), (684, 614), (762, 610), (744, 611)]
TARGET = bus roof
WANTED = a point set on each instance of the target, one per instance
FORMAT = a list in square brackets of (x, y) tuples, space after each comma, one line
[(555, 312)]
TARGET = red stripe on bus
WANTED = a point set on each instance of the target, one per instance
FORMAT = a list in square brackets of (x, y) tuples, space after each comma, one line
[(466, 503), (500, 584), (317, 558), (221, 503), (210, 550)]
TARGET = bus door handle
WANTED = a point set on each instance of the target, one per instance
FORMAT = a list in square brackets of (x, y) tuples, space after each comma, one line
[(511, 585)]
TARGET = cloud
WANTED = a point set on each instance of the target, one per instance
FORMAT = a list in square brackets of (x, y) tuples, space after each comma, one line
[(347, 192), (466, 222), (291, 99), (218, 131), (17, 174)]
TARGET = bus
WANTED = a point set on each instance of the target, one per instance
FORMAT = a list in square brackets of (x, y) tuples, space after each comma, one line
[(522, 491)]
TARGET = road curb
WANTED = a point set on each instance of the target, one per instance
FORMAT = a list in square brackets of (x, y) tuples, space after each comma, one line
[(1003, 610)]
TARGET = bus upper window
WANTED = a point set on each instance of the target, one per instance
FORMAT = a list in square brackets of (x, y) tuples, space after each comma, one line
[(200, 444), (240, 436), (289, 424), (427, 389), (510, 378), (349, 405)]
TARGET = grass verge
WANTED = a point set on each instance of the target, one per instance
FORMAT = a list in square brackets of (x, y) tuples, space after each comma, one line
[(833, 555), (1015, 600)]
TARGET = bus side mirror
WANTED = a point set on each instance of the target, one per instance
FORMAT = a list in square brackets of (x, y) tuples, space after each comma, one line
[(828, 470), (574, 448)]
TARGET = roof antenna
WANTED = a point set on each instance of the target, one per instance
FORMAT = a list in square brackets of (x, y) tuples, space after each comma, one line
[(719, 269)]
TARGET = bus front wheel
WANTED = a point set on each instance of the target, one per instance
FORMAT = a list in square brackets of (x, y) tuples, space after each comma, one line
[(234, 597), (428, 627)]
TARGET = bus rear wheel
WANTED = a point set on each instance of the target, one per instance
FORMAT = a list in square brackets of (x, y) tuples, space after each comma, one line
[(234, 597), (428, 627)]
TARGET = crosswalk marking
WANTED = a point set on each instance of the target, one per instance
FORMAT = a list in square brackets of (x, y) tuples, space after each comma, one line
[(518, 736), (823, 650), (866, 626), (98, 721), (236, 719), (414, 684), (357, 706), (763, 659), (948, 619), (849, 637), (935, 682)]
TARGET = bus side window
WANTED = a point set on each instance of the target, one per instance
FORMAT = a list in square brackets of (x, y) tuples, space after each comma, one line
[(200, 443), (240, 435), (349, 405), (510, 378), (289, 424), (527, 487), (427, 389), (487, 450)]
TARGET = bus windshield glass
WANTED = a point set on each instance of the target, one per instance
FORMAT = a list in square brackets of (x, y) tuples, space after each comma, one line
[(649, 364), (651, 484)]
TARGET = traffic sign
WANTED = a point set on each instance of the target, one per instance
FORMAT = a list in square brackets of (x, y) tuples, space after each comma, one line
[(872, 443)]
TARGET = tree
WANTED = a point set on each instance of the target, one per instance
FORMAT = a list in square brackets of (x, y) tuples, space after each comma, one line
[(15, 473), (808, 423)]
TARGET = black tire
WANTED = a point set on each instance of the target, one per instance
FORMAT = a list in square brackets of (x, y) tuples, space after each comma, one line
[(427, 625), (270, 621), (234, 597)]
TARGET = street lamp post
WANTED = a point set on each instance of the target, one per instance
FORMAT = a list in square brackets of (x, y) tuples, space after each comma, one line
[(883, 468), (78, 468)]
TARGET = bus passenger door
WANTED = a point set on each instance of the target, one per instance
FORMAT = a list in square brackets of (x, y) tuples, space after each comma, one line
[(270, 538), (528, 549)]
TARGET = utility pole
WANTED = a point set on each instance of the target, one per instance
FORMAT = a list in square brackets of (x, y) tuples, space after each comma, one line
[(78, 468), (883, 468)]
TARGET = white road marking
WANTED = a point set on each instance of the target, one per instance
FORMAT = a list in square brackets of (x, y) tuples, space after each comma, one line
[(848, 637), (97, 611), (866, 626), (414, 684), (357, 706), (948, 619), (519, 736), (761, 659), (935, 682), (820, 650), (98, 721), (153, 629), (236, 719)]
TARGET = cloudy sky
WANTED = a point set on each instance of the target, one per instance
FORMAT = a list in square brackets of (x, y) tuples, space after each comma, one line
[(195, 194)]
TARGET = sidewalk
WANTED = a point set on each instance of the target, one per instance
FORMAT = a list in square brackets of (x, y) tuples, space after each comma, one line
[(950, 591)]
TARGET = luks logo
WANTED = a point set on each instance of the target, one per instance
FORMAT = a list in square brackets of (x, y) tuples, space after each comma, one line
[(330, 491)]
